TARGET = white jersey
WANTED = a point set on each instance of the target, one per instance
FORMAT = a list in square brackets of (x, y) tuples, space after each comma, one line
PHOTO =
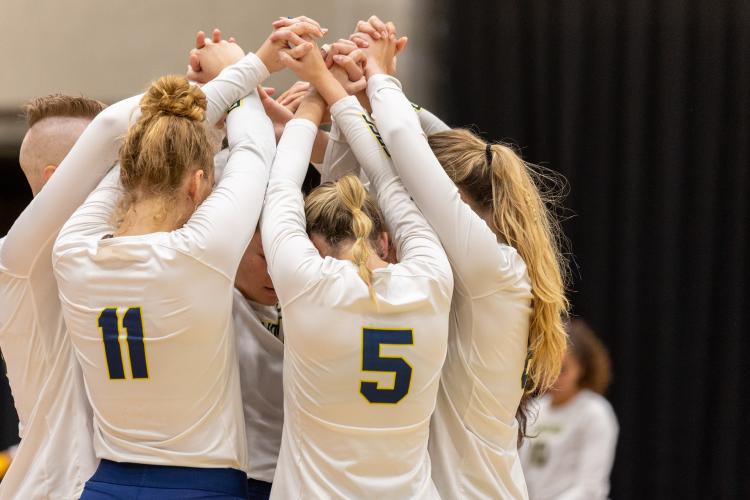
[(572, 449), (473, 437), (360, 379), (340, 160), (150, 315), (55, 456), (260, 350)]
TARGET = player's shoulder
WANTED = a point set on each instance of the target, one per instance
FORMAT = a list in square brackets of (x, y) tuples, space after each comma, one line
[(595, 405)]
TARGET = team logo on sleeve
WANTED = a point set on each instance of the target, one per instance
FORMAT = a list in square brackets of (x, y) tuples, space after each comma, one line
[(376, 133), (273, 327)]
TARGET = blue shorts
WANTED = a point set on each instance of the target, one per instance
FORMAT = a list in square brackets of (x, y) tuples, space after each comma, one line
[(113, 480), (258, 490)]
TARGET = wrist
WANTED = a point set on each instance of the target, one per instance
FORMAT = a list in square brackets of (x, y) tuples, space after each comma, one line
[(330, 88), (373, 68)]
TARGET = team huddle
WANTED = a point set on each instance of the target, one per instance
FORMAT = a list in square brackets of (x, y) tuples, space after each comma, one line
[(180, 321)]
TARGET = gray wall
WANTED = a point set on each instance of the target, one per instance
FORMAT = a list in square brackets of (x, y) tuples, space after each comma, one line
[(109, 49)]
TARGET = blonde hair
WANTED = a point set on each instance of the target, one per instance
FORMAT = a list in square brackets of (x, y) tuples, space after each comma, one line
[(504, 186), (168, 141), (343, 210)]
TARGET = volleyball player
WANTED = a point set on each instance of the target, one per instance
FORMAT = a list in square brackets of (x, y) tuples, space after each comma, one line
[(509, 299), (157, 270), (364, 340), (55, 456), (571, 445)]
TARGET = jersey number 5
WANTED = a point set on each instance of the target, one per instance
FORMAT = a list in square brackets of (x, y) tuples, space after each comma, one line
[(133, 325), (372, 361)]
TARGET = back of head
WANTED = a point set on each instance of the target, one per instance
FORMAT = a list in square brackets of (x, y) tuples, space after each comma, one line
[(516, 199), (591, 355), (343, 210), (168, 142), (55, 123)]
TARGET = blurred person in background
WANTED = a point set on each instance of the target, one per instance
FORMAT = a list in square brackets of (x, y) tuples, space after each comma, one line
[(571, 445)]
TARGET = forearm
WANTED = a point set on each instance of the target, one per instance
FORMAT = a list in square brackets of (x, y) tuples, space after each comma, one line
[(232, 84)]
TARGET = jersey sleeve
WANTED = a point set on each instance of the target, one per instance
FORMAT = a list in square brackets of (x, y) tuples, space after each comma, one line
[(430, 123), (414, 238), (293, 261), (222, 226), (339, 159), (232, 84), (470, 244), (78, 174)]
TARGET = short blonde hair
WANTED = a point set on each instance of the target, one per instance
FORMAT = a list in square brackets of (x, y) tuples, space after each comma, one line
[(60, 106)]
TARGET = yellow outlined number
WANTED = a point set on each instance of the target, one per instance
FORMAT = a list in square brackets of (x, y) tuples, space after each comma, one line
[(133, 325), (372, 361)]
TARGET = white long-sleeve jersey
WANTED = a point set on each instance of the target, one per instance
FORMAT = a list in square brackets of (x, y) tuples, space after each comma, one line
[(571, 449), (474, 433), (340, 160), (260, 350), (55, 456), (360, 378), (150, 315)]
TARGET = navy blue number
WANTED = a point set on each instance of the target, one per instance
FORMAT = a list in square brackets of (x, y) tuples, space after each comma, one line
[(136, 347), (372, 361), (110, 332), (133, 324)]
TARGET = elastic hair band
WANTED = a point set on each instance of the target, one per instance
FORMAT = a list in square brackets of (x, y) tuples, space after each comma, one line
[(488, 153)]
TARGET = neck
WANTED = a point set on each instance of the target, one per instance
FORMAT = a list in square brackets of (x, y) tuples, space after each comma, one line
[(560, 398), (150, 215), (373, 261)]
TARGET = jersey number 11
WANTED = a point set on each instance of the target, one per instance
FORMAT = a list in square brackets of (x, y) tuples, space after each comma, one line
[(133, 325)]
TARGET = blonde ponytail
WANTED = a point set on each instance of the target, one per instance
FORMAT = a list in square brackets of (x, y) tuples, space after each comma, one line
[(341, 211), (519, 199), (521, 216), (352, 194)]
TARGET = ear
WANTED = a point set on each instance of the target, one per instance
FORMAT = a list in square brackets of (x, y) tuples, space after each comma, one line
[(195, 186), (383, 245), (47, 172)]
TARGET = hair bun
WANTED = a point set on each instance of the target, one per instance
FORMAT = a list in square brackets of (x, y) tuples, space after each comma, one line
[(173, 95)]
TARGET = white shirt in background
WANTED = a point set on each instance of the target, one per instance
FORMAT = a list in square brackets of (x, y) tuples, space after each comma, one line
[(260, 349), (571, 449)]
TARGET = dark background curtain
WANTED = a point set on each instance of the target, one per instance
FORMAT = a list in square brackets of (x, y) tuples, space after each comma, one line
[(645, 107)]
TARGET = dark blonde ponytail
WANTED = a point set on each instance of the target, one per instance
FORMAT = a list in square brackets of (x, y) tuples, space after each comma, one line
[(519, 199)]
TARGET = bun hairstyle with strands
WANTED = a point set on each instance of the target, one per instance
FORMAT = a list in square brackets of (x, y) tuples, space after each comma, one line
[(343, 210), (168, 142), (519, 202)]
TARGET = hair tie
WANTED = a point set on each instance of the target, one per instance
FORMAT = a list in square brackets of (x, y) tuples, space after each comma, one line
[(488, 153)]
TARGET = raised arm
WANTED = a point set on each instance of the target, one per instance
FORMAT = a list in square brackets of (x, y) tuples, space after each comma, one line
[(414, 238), (223, 225), (292, 259), (461, 231), (78, 174)]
